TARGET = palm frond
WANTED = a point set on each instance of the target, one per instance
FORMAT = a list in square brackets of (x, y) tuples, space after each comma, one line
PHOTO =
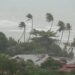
[(29, 16), (49, 17), (22, 25)]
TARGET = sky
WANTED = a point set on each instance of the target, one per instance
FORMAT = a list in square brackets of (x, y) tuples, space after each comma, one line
[(12, 12)]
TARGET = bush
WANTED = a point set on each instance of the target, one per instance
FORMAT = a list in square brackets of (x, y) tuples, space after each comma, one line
[(51, 64)]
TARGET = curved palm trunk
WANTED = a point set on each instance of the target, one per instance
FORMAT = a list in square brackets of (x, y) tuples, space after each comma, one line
[(32, 23), (21, 36), (68, 37), (51, 25), (61, 36), (31, 30), (68, 41), (24, 34)]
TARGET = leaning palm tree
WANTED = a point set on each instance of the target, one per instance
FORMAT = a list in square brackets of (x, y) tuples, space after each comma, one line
[(68, 27), (50, 18), (61, 28), (23, 25), (30, 17)]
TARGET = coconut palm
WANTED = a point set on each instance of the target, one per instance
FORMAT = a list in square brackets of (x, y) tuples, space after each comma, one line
[(23, 25), (50, 18), (30, 17), (61, 28), (68, 27)]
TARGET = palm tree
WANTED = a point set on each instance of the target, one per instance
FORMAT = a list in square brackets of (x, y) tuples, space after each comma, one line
[(61, 28), (50, 18), (23, 25), (68, 27), (30, 17)]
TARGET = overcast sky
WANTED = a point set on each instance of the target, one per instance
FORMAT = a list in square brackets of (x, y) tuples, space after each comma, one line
[(14, 11)]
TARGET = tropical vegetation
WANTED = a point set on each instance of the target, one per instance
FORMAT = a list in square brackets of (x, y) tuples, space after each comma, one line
[(39, 42)]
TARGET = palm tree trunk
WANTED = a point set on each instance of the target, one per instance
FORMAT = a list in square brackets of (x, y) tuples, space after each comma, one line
[(51, 25), (61, 36), (24, 34), (32, 23), (68, 37), (21, 36), (31, 30)]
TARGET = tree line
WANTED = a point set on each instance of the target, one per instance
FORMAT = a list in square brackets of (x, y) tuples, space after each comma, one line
[(39, 41)]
